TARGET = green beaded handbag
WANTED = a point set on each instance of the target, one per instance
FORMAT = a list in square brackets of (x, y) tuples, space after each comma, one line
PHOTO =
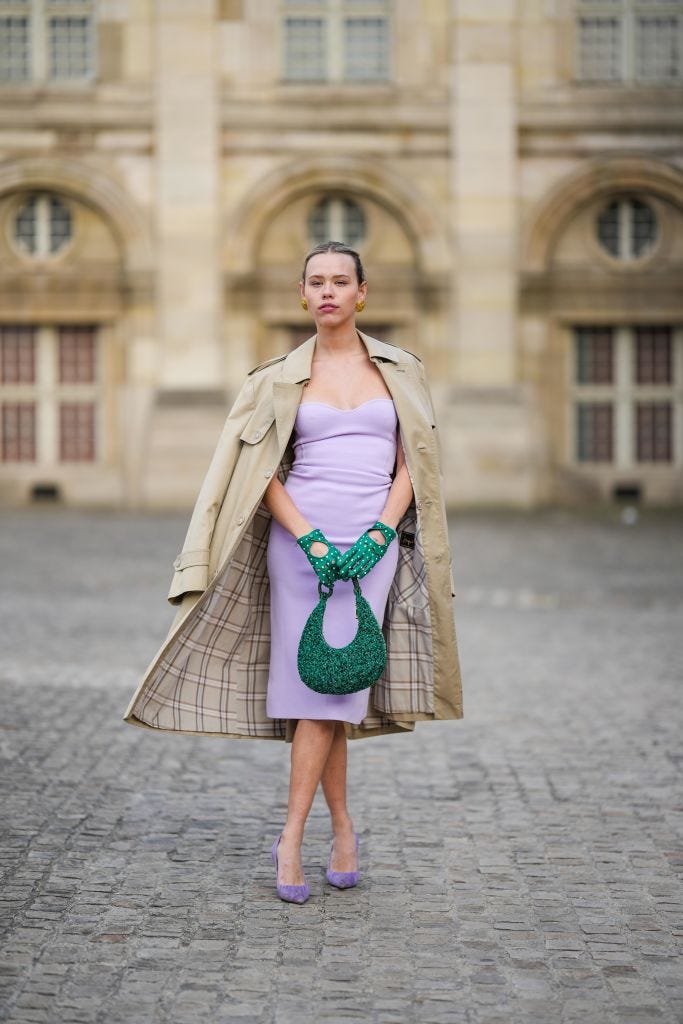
[(340, 670)]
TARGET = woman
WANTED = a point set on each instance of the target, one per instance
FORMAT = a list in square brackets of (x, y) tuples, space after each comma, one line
[(339, 500), (328, 466)]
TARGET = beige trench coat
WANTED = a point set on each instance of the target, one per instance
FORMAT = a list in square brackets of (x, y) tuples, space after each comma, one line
[(210, 675)]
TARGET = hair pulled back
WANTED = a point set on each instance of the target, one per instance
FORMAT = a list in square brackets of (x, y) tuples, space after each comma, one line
[(341, 247)]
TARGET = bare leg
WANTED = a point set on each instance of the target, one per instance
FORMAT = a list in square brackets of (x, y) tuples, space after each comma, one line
[(334, 787), (310, 749)]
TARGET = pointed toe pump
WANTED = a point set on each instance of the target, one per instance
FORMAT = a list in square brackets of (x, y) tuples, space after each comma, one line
[(288, 893), (343, 879)]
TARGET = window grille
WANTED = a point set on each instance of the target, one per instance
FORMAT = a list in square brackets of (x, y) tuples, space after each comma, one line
[(335, 40), (366, 51), (630, 41), (76, 431), (18, 431), (653, 431), (47, 40), (594, 431), (339, 218), (627, 394), (627, 228), (653, 355), (69, 47), (18, 355), (76, 355), (43, 225), (51, 393), (594, 355), (15, 51)]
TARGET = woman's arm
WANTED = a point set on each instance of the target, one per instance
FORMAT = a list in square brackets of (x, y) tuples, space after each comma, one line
[(279, 503), (399, 497)]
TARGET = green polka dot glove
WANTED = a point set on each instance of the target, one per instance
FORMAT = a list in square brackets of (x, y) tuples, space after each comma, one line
[(325, 566), (365, 552)]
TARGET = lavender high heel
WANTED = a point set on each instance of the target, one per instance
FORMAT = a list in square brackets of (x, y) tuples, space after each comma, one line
[(289, 893), (343, 879)]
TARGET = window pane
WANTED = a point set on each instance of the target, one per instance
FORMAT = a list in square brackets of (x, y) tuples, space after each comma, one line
[(305, 48), (627, 228), (339, 218), (653, 363), (658, 57), (69, 44), (76, 355), (608, 228), (643, 227), (366, 48), (17, 355), (653, 431), (354, 222), (77, 430), (594, 349), (14, 50), (600, 49), (60, 224), (43, 225), (18, 431), (594, 429), (26, 225)]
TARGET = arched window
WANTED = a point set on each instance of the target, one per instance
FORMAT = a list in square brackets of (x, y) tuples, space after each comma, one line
[(337, 217), (43, 226), (627, 228)]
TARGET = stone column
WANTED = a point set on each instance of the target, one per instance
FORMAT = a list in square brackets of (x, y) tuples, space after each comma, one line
[(494, 450), (189, 408), (484, 189), (186, 186)]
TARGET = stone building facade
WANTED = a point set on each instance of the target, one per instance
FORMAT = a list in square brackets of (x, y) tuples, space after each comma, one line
[(511, 172)]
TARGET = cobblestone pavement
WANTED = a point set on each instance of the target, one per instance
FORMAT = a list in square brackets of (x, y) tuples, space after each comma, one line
[(520, 865)]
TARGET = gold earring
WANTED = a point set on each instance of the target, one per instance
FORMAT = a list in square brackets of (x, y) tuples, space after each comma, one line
[(304, 304), (360, 305)]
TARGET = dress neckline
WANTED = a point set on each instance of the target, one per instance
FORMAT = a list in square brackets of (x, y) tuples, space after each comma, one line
[(352, 409)]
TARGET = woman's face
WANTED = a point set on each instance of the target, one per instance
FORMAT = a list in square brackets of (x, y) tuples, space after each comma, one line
[(331, 282)]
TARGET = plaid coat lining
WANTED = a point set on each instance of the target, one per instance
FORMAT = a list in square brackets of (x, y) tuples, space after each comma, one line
[(213, 677)]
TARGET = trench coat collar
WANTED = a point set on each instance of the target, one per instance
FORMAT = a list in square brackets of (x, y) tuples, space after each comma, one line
[(296, 366)]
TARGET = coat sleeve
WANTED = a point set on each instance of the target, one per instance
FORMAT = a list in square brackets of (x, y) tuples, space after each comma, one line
[(192, 563)]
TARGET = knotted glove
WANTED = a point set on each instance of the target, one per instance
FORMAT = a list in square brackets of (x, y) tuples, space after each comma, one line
[(325, 566), (364, 552)]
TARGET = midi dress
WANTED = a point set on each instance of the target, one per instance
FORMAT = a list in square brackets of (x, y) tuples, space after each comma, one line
[(339, 480)]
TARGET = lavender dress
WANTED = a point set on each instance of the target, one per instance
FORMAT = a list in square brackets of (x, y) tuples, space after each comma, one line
[(343, 459)]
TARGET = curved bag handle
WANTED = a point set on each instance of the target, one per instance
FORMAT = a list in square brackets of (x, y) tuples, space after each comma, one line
[(341, 670)]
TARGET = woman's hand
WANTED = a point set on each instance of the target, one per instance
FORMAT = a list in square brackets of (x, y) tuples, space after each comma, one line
[(366, 551), (324, 562)]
